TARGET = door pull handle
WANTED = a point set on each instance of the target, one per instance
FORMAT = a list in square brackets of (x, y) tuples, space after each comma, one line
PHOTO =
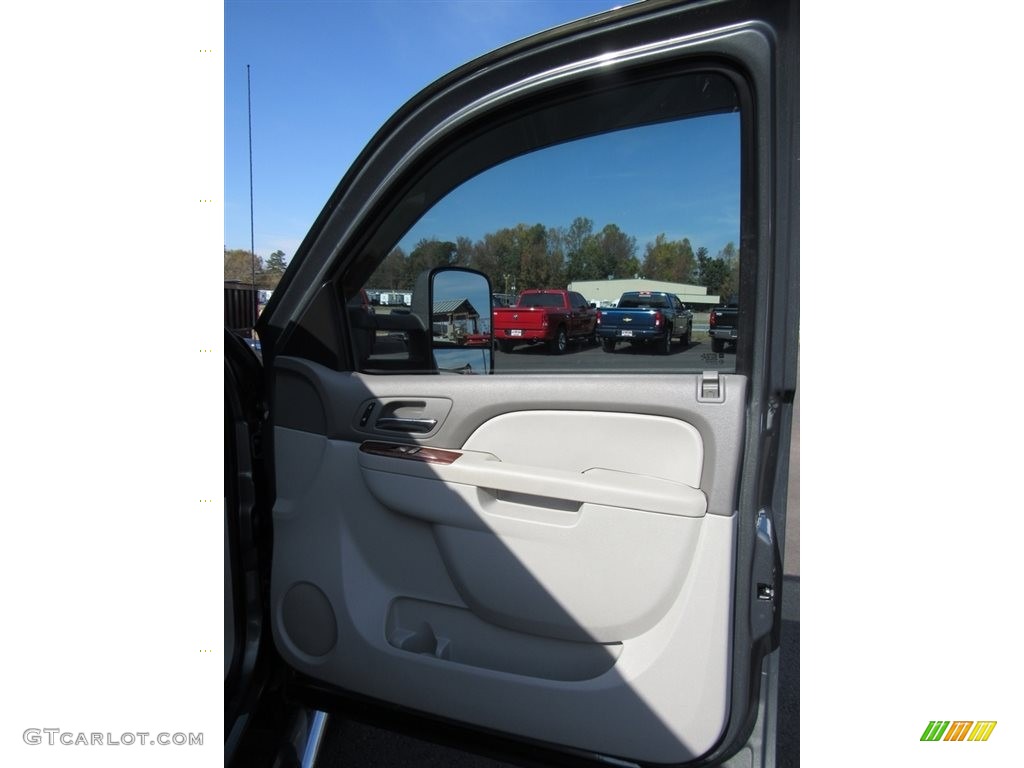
[(393, 424)]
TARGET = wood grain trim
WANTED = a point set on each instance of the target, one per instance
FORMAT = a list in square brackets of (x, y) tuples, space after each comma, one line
[(411, 452)]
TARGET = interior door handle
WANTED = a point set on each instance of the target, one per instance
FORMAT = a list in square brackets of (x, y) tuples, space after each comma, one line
[(394, 424)]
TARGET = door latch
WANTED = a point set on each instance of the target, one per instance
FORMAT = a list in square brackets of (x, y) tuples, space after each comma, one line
[(765, 576)]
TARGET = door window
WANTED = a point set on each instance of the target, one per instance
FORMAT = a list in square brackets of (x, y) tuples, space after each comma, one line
[(651, 209)]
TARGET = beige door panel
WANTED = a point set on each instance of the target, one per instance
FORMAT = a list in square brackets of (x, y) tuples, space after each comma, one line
[(580, 595)]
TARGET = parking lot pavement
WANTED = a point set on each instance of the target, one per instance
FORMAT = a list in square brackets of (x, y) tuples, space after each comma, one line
[(581, 357)]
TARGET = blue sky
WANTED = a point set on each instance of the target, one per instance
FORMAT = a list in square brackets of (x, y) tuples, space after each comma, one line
[(680, 179), (325, 77)]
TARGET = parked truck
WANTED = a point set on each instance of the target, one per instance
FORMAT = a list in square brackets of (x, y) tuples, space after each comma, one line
[(545, 316), (653, 318), (241, 308), (722, 326)]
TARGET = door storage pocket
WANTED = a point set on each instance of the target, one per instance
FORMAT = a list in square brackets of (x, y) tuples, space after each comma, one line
[(455, 634)]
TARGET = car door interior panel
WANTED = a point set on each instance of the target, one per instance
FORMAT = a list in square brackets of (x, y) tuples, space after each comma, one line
[(552, 559), (565, 545)]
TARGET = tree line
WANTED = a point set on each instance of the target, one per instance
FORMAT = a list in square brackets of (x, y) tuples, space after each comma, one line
[(536, 256), (238, 266), (533, 256)]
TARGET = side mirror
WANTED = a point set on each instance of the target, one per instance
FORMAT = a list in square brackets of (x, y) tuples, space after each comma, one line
[(458, 318)]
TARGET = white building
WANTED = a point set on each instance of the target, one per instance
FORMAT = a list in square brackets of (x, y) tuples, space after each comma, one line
[(606, 292)]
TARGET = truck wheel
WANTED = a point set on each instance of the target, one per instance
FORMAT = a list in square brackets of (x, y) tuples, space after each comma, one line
[(505, 346), (558, 344), (685, 340), (665, 346), (608, 345), (718, 345)]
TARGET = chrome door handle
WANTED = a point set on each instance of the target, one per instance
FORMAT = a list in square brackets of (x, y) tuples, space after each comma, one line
[(393, 424)]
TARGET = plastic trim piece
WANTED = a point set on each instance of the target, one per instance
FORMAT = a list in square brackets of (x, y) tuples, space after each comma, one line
[(389, 479)]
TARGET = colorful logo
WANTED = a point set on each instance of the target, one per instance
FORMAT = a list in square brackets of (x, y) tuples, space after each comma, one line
[(958, 730)]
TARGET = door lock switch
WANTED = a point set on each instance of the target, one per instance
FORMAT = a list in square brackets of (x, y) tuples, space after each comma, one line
[(366, 414)]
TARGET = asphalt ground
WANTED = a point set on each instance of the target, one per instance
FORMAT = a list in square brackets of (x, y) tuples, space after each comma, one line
[(582, 357), (351, 744)]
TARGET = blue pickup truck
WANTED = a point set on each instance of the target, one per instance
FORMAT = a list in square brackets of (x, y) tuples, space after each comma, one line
[(645, 317)]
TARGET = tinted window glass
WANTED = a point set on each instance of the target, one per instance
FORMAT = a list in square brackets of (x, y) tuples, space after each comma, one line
[(652, 208)]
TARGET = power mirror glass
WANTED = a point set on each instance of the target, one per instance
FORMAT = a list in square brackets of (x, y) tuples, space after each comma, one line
[(460, 321)]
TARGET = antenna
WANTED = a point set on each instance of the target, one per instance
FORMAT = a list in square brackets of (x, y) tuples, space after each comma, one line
[(252, 235)]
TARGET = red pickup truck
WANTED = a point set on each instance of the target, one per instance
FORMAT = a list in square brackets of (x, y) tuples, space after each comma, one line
[(547, 316)]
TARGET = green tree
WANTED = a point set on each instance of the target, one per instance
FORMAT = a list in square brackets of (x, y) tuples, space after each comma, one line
[(702, 253), (581, 251), (556, 258), (277, 262), (720, 274), (463, 252), (530, 246), (273, 270), (238, 265), (730, 285), (484, 258), (616, 253), (538, 256), (498, 256), (391, 272), (427, 254), (669, 260)]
